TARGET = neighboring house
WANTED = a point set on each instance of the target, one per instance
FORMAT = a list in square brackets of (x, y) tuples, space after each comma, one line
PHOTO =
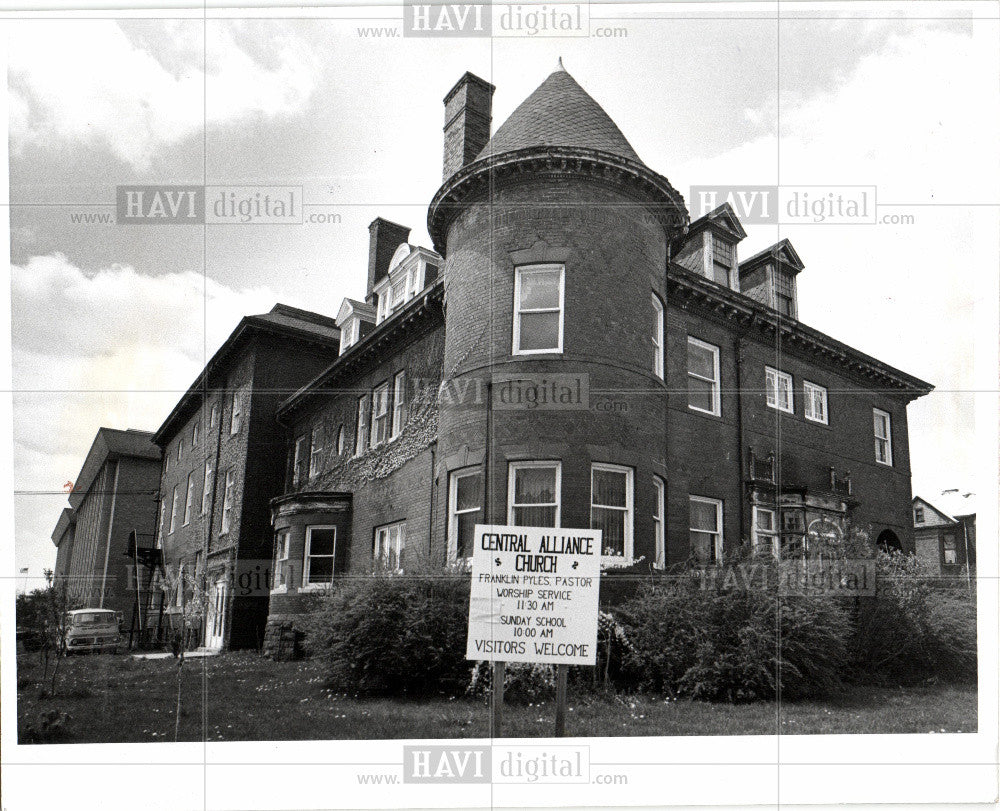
[(714, 416), (945, 533), (115, 495), (223, 460)]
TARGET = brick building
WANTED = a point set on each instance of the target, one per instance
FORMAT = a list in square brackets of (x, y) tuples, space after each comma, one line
[(574, 351), (223, 460), (945, 533), (114, 495)]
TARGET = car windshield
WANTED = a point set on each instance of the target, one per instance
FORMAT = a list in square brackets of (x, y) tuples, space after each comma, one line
[(93, 618)]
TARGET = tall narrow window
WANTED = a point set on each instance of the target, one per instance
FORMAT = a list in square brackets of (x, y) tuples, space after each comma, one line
[(298, 460), (398, 403), (538, 309), (703, 377), (706, 529), (611, 510), (214, 419), (950, 550), (390, 542), (315, 451), (180, 449), (533, 494), (237, 417), (173, 509), (189, 499), (163, 522), (657, 337), (227, 502), (784, 293), (380, 415), (883, 437), (340, 440), (206, 489), (815, 402), (779, 390), (321, 541), (723, 260), (765, 532), (281, 574), (361, 435), (465, 507), (659, 523), (195, 434)]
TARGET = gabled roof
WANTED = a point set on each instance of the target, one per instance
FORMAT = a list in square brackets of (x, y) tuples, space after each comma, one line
[(951, 504), (782, 252), (943, 517), (109, 444), (722, 217), (351, 307), (289, 322), (559, 113)]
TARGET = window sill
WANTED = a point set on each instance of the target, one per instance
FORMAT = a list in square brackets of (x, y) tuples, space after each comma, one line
[(790, 412), (279, 590), (703, 412), (315, 587), (615, 561)]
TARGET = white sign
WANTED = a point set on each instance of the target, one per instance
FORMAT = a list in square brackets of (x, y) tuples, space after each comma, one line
[(534, 595)]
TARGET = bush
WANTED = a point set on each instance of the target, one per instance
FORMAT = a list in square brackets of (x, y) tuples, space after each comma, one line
[(393, 636), (523, 682), (910, 632)]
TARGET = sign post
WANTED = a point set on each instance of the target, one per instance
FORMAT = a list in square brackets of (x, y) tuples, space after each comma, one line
[(534, 599)]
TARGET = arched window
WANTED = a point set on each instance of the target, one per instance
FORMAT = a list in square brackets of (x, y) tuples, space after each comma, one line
[(340, 440), (889, 541)]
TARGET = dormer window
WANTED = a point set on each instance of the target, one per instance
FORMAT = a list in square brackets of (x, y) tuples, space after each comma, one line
[(784, 292), (349, 334), (353, 314), (410, 270), (723, 260)]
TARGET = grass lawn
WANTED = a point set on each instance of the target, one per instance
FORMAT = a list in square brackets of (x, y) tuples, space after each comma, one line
[(242, 696)]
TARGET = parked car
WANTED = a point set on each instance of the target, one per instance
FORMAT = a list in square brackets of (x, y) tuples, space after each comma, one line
[(91, 629)]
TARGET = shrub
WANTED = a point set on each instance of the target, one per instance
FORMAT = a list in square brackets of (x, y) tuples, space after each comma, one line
[(523, 682), (393, 636)]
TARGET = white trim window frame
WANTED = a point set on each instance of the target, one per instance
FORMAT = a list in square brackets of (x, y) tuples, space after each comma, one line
[(380, 415), (398, 404), (715, 381), (519, 310), (206, 487), (513, 506), (180, 448), (213, 419), (765, 531), (315, 450), (659, 523), (298, 453), (817, 407), (173, 511), (163, 524), (309, 556), (456, 512), (657, 336), (390, 547), (227, 502), (883, 436), (236, 418), (626, 511), (780, 394), (188, 500), (714, 545), (196, 433), (282, 541), (362, 425), (340, 440)]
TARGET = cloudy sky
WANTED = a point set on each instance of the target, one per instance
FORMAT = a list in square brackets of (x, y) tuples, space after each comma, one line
[(111, 323)]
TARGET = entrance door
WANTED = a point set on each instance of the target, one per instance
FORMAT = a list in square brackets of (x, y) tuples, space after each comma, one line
[(215, 620)]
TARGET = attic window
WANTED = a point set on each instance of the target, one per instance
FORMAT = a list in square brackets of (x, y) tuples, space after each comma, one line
[(784, 293), (918, 515), (723, 260)]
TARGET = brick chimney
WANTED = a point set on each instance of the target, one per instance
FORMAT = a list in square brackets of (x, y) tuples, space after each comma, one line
[(383, 239), (468, 113)]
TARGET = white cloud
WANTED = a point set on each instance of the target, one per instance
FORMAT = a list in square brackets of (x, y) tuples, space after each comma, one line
[(87, 82)]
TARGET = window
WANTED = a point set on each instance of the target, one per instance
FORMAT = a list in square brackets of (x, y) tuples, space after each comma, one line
[(179, 591), (949, 550), (189, 499), (206, 489), (380, 414), (538, 309), (281, 573), (533, 490), (390, 541), (320, 544), (793, 534), (351, 331), (883, 437), (765, 532), (611, 509), (659, 524), (340, 440), (237, 418), (465, 504), (315, 451), (298, 459), (706, 529), (361, 435), (779, 390), (723, 260), (180, 449), (815, 402), (784, 293), (163, 522), (918, 515), (657, 337), (398, 403), (195, 437), (703, 377), (173, 511), (214, 420), (166, 462), (227, 502)]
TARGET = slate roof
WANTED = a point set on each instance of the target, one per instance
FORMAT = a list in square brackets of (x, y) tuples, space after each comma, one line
[(559, 113)]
